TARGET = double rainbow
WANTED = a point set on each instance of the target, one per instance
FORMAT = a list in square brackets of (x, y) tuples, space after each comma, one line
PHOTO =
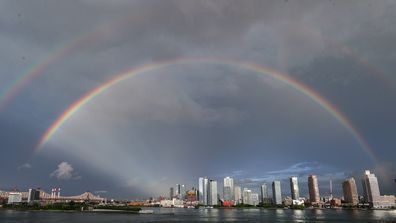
[(279, 76)]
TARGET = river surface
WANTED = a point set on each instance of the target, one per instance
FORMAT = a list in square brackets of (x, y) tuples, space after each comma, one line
[(204, 215)]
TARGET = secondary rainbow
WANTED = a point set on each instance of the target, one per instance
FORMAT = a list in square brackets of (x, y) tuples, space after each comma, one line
[(22, 80), (279, 76), (12, 89)]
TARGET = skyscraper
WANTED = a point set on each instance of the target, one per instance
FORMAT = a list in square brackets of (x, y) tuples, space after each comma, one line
[(238, 195), (182, 195), (264, 194), (350, 191), (371, 190), (228, 189), (212, 199), (313, 188), (171, 193), (178, 190), (276, 192), (295, 194), (203, 190)]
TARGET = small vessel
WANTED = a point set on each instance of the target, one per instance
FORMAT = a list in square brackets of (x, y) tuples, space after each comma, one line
[(146, 212)]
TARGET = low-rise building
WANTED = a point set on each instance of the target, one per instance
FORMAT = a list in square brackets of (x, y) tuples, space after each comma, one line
[(33, 196), (335, 202), (385, 201), (254, 199), (14, 198)]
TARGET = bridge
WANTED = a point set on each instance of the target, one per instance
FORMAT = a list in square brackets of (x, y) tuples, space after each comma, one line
[(46, 197)]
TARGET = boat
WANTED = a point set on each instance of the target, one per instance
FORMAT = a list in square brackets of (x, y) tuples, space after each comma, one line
[(146, 212)]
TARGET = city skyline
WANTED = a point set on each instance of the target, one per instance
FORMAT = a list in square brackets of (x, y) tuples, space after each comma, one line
[(370, 196), (208, 194), (123, 97)]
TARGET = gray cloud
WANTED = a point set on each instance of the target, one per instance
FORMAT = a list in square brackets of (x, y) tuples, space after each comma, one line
[(200, 118), (24, 166)]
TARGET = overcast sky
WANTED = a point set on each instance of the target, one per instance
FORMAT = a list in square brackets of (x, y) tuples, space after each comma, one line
[(175, 124)]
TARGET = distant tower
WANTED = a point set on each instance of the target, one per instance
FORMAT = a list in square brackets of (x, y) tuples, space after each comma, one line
[(264, 193), (350, 191), (182, 192), (295, 194), (203, 184), (331, 188), (276, 191), (228, 189), (238, 195), (171, 193), (212, 199), (178, 190), (313, 188), (371, 190)]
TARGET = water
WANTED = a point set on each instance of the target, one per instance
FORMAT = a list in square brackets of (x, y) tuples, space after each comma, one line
[(206, 215)]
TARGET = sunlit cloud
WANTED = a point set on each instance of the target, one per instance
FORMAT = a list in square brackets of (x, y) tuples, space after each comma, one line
[(65, 171)]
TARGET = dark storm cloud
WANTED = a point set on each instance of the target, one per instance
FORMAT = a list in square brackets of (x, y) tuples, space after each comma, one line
[(196, 120)]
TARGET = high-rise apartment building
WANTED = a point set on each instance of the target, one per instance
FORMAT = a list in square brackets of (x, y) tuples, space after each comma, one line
[(171, 193), (203, 190), (313, 188), (228, 189), (177, 190), (264, 194), (371, 190), (238, 195), (182, 195), (213, 199), (350, 191), (276, 193), (295, 194)]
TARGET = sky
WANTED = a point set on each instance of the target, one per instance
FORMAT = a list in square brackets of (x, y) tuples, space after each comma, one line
[(204, 117)]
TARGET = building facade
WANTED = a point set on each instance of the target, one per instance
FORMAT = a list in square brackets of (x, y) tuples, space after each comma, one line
[(372, 194), (246, 196), (264, 199), (203, 190), (350, 191), (295, 193), (171, 193), (33, 195), (254, 199), (228, 189), (313, 187), (182, 194), (14, 198), (371, 190), (177, 190), (238, 195), (213, 199), (276, 193)]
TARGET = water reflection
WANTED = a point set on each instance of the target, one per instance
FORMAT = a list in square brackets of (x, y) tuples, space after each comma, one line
[(206, 215), (298, 216)]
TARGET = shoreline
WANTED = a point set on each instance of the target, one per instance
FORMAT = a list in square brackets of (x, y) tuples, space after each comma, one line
[(110, 211)]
